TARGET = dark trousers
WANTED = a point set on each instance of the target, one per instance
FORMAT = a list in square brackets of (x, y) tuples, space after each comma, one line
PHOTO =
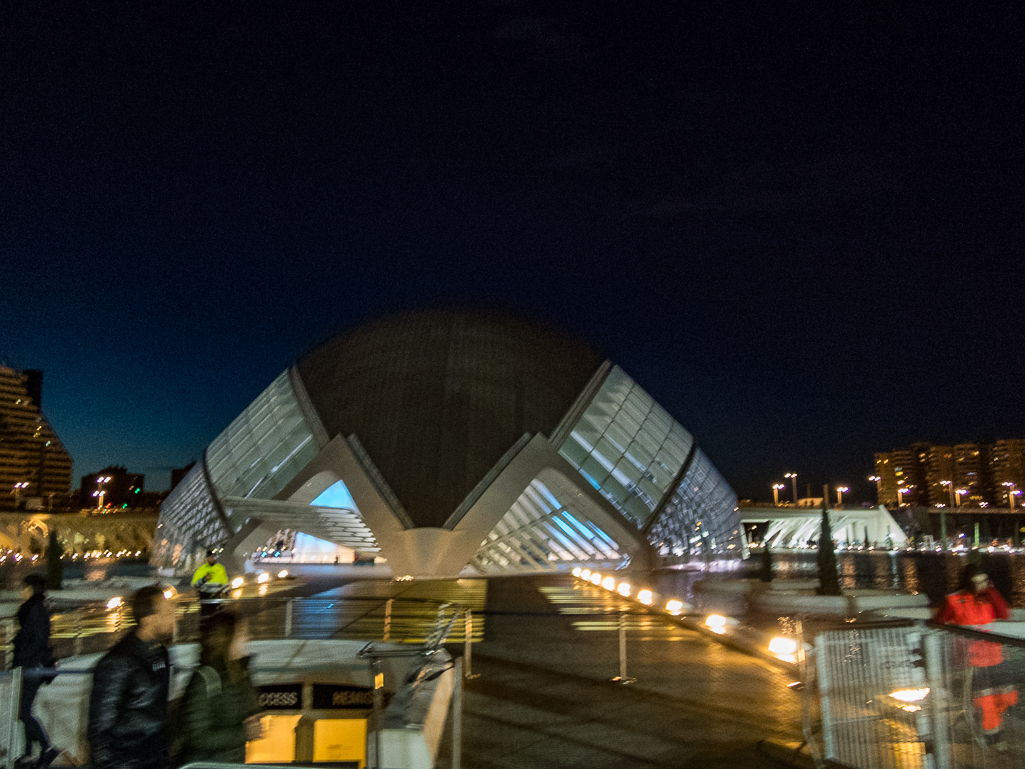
[(34, 731)]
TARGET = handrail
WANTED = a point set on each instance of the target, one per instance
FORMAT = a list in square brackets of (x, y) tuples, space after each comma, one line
[(979, 635)]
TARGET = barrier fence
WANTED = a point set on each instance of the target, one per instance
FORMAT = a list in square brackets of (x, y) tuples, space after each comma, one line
[(907, 695)]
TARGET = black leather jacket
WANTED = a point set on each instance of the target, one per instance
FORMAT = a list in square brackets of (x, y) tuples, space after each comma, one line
[(32, 644), (128, 719)]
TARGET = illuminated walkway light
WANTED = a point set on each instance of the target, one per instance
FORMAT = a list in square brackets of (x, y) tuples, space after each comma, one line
[(114, 602), (576, 571), (585, 574), (237, 582), (595, 578), (609, 583), (674, 607), (624, 589), (646, 597)]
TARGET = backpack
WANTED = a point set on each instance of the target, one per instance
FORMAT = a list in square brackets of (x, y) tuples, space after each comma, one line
[(176, 714)]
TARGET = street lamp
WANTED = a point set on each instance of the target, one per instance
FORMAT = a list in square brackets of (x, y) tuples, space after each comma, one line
[(878, 481), (18, 487), (793, 480), (100, 491), (775, 493), (1012, 492), (839, 495), (901, 491), (960, 493), (950, 490)]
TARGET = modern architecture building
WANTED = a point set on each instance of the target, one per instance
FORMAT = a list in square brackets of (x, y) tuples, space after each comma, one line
[(449, 442), (35, 468)]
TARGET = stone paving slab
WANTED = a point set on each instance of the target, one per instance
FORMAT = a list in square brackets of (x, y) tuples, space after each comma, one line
[(544, 698)]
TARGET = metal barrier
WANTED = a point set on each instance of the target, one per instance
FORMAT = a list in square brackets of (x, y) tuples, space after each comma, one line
[(910, 695)]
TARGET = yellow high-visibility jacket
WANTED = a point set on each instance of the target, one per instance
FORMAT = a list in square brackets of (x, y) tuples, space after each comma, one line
[(218, 574)]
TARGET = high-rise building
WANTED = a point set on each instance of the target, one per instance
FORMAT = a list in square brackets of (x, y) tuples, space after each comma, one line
[(904, 475), (1009, 469), (940, 475), (35, 468)]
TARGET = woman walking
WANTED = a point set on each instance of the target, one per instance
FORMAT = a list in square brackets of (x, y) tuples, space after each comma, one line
[(219, 711)]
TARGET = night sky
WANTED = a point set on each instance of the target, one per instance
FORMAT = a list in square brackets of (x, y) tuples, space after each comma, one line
[(798, 225)]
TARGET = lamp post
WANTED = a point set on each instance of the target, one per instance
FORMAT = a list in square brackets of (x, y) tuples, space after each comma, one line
[(100, 491), (901, 491), (878, 481), (18, 488), (775, 493), (1012, 492), (839, 495), (793, 480)]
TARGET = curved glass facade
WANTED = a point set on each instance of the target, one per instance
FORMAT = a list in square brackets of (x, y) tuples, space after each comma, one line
[(627, 447), (700, 515), (189, 523), (264, 448)]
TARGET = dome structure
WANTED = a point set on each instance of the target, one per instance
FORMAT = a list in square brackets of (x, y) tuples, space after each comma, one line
[(444, 442)]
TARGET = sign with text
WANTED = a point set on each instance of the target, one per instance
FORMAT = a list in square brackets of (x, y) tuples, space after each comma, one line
[(343, 697), (281, 697)]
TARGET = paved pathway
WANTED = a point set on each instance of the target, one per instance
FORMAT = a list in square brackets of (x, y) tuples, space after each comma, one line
[(544, 699)]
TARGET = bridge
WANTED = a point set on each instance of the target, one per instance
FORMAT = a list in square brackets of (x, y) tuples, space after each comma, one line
[(790, 526), (78, 534)]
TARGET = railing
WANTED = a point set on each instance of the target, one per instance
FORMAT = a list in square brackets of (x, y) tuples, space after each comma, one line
[(95, 628), (909, 695)]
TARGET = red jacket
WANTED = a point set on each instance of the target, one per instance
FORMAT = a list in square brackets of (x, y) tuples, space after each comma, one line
[(967, 608)]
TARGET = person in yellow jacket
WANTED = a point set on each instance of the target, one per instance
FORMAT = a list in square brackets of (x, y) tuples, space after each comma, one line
[(211, 577)]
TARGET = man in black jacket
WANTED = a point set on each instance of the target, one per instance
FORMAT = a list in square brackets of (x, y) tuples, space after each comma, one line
[(128, 719), (33, 655)]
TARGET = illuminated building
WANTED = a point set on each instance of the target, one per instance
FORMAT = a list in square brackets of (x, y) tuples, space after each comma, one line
[(35, 468), (447, 441)]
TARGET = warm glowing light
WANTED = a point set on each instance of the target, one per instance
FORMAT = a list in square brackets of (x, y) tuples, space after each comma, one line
[(585, 574), (715, 620), (283, 573), (237, 582), (781, 646), (595, 578), (624, 589), (262, 577), (576, 571), (609, 583), (263, 589), (674, 607), (114, 602), (910, 695), (646, 597), (168, 595), (911, 708)]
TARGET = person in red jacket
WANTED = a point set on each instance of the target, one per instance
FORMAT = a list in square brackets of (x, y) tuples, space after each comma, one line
[(979, 603)]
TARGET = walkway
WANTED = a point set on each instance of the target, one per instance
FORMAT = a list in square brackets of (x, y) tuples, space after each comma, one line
[(544, 699)]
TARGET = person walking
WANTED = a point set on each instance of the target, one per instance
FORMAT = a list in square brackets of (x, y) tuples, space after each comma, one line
[(220, 706), (128, 725), (979, 603), (34, 655)]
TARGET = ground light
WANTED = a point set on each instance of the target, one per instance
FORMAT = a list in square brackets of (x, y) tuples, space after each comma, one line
[(114, 602), (576, 571), (585, 574), (716, 623), (674, 607), (237, 582), (595, 578), (262, 577), (784, 648), (283, 573), (609, 583), (646, 597), (624, 589)]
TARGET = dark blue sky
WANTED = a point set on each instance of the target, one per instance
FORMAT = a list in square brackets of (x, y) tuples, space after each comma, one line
[(798, 226)]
